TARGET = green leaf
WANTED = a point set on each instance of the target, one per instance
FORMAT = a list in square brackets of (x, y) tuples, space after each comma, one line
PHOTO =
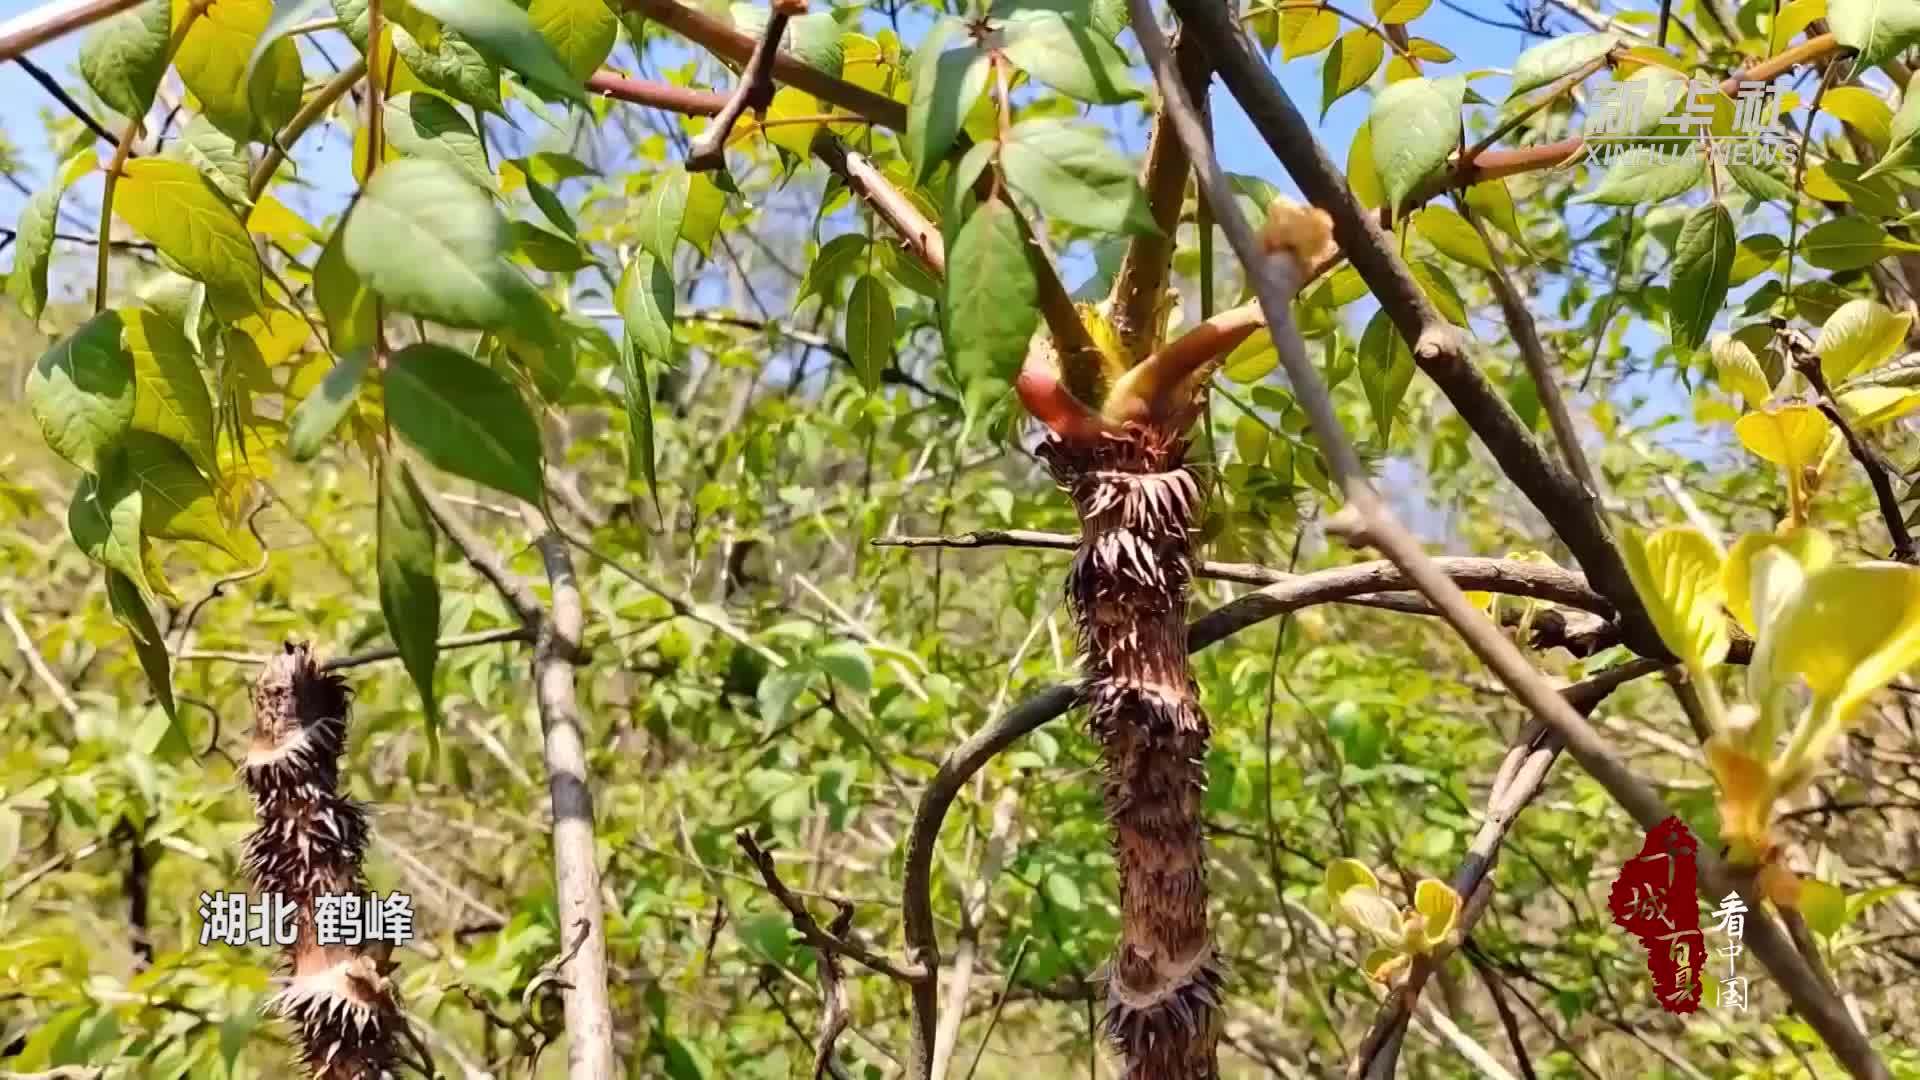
[(706, 205), (831, 264), (1386, 370), (1063, 892), (1850, 243), (945, 86), (465, 419), (869, 329), (638, 397), (33, 238), (409, 594), (1859, 337), (1072, 174), (1903, 139), (130, 610), (581, 32), (504, 34), (219, 159), (663, 213), (645, 296), (274, 45), (1415, 125), (172, 205), (1702, 264), (1453, 236), (82, 392), (1824, 906), (123, 58), (1634, 183), (991, 297), (1677, 574), (315, 419), (104, 520), (1251, 360), (430, 243), (848, 663), (1354, 59), (176, 501), (1551, 61), (171, 398), (1069, 56), (812, 39), (243, 99), (345, 302), (1763, 182), (1879, 29), (425, 126), (452, 66)]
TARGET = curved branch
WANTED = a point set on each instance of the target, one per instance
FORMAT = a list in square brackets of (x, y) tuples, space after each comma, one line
[(45, 23), (735, 47), (659, 95)]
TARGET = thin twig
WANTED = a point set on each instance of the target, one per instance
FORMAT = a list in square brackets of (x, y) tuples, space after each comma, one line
[(66, 100), (709, 150), (38, 665), (1878, 475), (816, 936)]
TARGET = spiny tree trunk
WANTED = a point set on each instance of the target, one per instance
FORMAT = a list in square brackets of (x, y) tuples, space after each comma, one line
[(308, 844), (1128, 587)]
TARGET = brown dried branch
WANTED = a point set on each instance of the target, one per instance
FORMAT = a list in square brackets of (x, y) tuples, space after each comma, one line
[(709, 150), (822, 939), (1266, 103), (1533, 353), (1878, 474), (835, 1014)]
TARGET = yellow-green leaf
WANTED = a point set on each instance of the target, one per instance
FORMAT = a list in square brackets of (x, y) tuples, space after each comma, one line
[(580, 31), (1305, 31), (1823, 905), (1454, 236), (1352, 62), (1848, 632), (1739, 372), (171, 400), (1677, 574), (1875, 406), (1344, 874), (213, 62), (1755, 598), (1859, 337), (176, 501), (1439, 908), (169, 203), (1790, 437), (1861, 109)]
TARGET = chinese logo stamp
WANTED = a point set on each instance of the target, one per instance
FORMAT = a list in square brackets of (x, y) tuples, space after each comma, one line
[(1653, 899), (1621, 123)]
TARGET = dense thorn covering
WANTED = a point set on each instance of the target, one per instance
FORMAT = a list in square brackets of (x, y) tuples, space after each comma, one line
[(1128, 588), (309, 843)]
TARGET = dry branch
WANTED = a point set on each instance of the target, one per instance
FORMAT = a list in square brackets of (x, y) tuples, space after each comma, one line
[(709, 150), (1265, 101)]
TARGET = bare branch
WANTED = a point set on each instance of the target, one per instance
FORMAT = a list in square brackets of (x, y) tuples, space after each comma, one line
[(658, 95), (709, 150), (52, 86), (922, 237), (834, 942), (49, 21), (38, 665), (516, 592), (576, 872), (1878, 474), (732, 45)]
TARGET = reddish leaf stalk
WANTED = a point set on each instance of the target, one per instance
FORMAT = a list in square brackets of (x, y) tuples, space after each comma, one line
[(309, 843)]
